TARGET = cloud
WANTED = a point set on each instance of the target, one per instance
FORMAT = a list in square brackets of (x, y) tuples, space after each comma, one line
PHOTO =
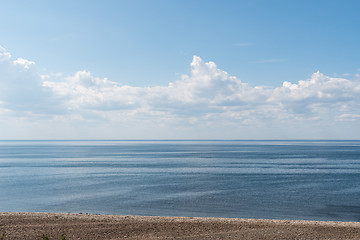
[(207, 90), (320, 92), (210, 92), (208, 96), (83, 90), (26, 64), (4, 55), (349, 117), (21, 85)]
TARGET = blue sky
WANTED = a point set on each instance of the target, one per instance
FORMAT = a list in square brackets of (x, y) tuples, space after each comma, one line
[(180, 69)]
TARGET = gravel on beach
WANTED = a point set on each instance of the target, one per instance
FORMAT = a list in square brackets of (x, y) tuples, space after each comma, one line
[(69, 226)]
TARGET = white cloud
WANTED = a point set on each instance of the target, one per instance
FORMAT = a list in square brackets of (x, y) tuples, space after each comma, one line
[(208, 98), (85, 91), (318, 92), (209, 91), (21, 87), (26, 64), (4, 55), (349, 117)]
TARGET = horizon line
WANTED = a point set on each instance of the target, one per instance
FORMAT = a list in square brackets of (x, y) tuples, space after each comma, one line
[(154, 140)]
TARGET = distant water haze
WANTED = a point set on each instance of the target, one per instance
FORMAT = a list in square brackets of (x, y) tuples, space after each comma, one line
[(310, 180)]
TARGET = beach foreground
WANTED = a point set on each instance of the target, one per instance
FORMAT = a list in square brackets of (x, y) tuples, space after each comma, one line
[(92, 226)]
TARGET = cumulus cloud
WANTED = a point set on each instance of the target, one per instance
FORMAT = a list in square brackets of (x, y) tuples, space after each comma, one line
[(208, 95), (21, 85), (26, 64), (318, 92), (4, 55), (209, 91), (83, 90)]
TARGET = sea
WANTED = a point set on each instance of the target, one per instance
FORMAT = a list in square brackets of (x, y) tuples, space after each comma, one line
[(295, 180)]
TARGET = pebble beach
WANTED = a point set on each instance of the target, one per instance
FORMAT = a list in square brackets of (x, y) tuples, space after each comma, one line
[(92, 226)]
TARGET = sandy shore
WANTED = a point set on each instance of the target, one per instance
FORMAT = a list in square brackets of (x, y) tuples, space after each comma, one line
[(90, 226)]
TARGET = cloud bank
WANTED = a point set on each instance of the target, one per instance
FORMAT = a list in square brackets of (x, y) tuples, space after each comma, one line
[(208, 98)]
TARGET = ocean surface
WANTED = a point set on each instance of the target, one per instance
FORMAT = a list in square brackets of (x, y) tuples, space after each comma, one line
[(309, 180)]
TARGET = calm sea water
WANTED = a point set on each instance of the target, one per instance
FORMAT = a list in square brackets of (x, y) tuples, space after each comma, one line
[(311, 180)]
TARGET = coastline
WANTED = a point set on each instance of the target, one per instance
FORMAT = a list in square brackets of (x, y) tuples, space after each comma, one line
[(92, 226)]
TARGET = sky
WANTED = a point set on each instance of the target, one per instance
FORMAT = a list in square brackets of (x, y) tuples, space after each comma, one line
[(180, 69)]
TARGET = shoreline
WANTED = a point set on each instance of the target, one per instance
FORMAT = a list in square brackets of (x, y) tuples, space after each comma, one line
[(28, 225)]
